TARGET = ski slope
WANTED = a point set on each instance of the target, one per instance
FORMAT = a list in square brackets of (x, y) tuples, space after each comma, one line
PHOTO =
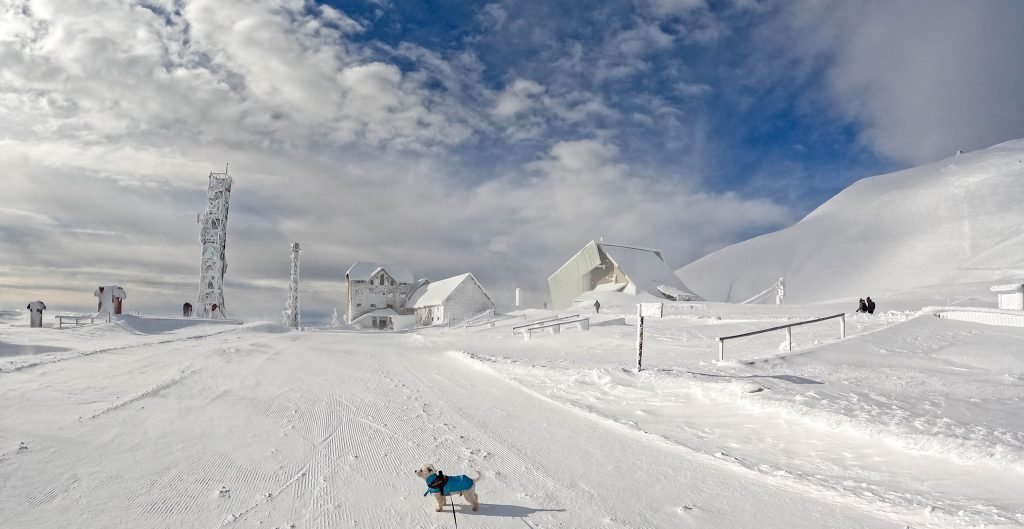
[(953, 221), (912, 421)]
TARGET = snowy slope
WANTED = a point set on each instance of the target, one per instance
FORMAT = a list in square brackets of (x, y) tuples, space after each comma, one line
[(910, 422), (954, 221)]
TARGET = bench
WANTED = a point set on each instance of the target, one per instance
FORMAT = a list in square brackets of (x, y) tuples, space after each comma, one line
[(79, 318)]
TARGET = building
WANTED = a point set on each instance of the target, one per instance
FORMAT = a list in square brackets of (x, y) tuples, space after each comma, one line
[(1010, 296), (111, 299), (449, 300), (373, 286), (613, 267)]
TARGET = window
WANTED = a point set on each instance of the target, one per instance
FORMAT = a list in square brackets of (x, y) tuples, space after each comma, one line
[(373, 305), (359, 304)]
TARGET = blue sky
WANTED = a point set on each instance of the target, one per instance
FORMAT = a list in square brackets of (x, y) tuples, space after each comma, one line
[(679, 99), (489, 137)]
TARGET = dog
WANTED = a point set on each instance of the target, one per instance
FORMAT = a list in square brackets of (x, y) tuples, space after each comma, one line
[(437, 481)]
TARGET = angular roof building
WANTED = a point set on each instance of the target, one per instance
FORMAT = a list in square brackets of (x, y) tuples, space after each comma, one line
[(613, 267)]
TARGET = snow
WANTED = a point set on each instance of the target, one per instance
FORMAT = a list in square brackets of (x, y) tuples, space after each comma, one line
[(954, 221), (911, 421), (153, 422), (646, 269), (435, 293), (364, 270)]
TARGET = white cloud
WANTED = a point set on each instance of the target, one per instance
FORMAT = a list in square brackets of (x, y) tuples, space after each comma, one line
[(113, 114), (923, 78)]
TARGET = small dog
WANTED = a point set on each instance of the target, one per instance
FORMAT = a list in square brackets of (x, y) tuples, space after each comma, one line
[(437, 481)]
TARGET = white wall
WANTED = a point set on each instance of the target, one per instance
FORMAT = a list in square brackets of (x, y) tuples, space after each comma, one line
[(364, 297)]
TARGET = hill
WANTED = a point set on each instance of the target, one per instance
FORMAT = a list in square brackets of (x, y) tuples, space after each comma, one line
[(954, 221)]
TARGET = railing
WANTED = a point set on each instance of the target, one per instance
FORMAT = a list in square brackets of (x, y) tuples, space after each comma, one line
[(555, 327), (491, 323), (789, 332), (539, 322)]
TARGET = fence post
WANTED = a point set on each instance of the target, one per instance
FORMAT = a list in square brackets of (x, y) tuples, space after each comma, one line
[(721, 349), (789, 339), (842, 326), (639, 339)]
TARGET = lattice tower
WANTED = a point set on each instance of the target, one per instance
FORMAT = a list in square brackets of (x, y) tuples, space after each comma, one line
[(292, 305), (213, 234)]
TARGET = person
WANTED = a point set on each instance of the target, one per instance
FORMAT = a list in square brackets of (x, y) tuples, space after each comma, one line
[(597, 307), (186, 310), (871, 305), (862, 306)]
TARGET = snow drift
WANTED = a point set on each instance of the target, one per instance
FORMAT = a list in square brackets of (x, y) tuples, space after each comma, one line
[(949, 222)]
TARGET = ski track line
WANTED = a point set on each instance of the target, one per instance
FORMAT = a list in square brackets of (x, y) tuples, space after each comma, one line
[(148, 393), (518, 460), (723, 460), (80, 354)]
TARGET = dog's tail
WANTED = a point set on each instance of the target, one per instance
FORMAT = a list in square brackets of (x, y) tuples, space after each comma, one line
[(478, 476)]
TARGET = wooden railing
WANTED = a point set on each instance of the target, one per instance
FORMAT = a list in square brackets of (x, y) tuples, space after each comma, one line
[(789, 332)]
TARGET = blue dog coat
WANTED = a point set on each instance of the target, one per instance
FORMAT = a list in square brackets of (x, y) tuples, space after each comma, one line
[(455, 485)]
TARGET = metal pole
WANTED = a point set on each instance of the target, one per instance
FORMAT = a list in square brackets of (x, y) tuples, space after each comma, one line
[(721, 349), (789, 338), (842, 327), (639, 339)]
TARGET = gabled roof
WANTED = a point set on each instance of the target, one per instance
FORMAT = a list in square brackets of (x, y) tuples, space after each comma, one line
[(436, 293), (364, 270)]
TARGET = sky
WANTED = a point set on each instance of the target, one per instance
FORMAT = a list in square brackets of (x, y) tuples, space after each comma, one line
[(488, 137)]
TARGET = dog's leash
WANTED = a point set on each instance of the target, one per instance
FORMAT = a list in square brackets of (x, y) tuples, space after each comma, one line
[(439, 482)]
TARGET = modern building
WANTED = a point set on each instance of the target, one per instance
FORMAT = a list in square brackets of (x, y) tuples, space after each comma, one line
[(617, 268)]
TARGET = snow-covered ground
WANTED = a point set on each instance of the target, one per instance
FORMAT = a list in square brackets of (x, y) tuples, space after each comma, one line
[(949, 222), (910, 421)]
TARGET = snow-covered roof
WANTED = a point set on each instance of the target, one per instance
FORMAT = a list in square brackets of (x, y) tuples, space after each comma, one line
[(646, 269), (364, 270), (1012, 287), (436, 293)]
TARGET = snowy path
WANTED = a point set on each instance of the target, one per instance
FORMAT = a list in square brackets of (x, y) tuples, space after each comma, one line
[(323, 431)]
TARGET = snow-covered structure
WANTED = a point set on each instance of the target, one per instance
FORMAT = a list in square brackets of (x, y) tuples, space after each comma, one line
[(613, 267), (1010, 296), (111, 299), (291, 307), (35, 310), (373, 286), (213, 235), (450, 300)]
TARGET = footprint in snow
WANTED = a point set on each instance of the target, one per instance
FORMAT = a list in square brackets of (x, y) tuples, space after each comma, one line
[(224, 492)]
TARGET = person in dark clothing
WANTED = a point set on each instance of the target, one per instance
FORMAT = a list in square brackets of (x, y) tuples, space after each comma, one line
[(597, 307), (871, 306), (186, 310), (862, 306)]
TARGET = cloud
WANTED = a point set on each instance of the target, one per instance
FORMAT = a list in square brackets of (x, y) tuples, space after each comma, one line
[(112, 114), (922, 79)]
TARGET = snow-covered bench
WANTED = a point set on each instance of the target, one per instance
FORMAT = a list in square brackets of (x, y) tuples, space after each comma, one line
[(79, 318)]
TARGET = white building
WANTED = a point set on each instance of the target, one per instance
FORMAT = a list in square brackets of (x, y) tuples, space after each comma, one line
[(373, 286), (450, 300), (1010, 296), (613, 267)]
